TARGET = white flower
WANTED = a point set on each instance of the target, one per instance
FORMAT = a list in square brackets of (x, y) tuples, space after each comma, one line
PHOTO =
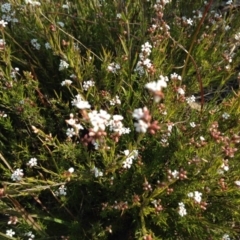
[(202, 138), (17, 175), (189, 21), (35, 44), (146, 48), (88, 84), (70, 132), (119, 15), (130, 157), (115, 101), (30, 234), (138, 113), (6, 8), (97, 172), (61, 24), (191, 195), (225, 116), (182, 210), (99, 120), (237, 36), (197, 196), (33, 3), (175, 76), (191, 99), (141, 126), (113, 67), (3, 23), (65, 6), (180, 91), (63, 65), (192, 124), (80, 103), (66, 82), (61, 191), (175, 174), (32, 162), (226, 237), (71, 170), (48, 46), (156, 86), (237, 183), (10, 233)]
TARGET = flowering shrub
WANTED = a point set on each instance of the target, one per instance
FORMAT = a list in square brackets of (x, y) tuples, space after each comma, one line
[(119, 120)]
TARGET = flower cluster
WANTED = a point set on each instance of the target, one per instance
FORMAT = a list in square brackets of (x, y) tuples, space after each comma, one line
[(97, 173), (80, 103), (144, 123), (144, 63), (181, 209), (66, 82), (156, 87), (63, 65), (113, 67), (127, 163), (115, 100), (88, 84), (17, 175), (8, 15), (32, 162)]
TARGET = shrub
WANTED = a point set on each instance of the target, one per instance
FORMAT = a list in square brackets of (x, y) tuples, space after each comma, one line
[(119, 120)]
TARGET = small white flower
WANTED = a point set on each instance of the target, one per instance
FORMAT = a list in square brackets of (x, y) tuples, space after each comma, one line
[(70, 132), (66, 82), (17, 175), (182, 210), (113, 67), (175, 174), (237, 183), (138, 113), (10, 233), (197, 196), (33, 3), (225, 116), (71, 170), (32, 162), (189, 21), (180, 91), (202, 138), (119, 15), (191, 99), (237, 36), (146, 48), (35, 44), (61, 24), (3, 23), (63, 65), (88, 84), (191, 195), (141, 126), (30, 234), (192, 124), (175, 76), (61, 191), (6, 8), (97, 172), (48, 46), (226, 237)]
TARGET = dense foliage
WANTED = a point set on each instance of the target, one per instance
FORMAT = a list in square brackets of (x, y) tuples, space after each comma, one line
[(119, 120)]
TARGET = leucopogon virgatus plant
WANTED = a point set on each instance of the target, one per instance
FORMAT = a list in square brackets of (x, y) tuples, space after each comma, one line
[(119, 120)]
